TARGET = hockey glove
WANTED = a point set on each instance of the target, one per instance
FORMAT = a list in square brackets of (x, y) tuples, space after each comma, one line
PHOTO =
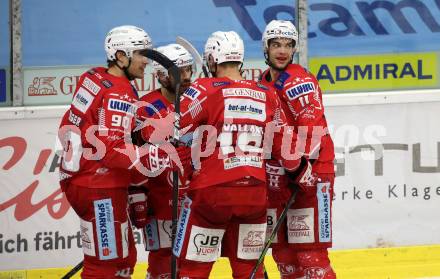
[(155, 159), (303, 176), (138, 210), (186, 169)]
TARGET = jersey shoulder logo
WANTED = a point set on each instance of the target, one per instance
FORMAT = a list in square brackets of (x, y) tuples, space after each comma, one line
[(300, 89), (91, 86), (121, 106), (82, 100), (191, 93)]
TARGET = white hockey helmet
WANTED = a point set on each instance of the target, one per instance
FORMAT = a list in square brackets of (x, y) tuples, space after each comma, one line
[(126, 38), (176, 53), (279, 29), (224, 47)]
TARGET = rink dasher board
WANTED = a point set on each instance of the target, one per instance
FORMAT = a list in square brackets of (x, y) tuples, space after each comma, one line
[(387, 219)]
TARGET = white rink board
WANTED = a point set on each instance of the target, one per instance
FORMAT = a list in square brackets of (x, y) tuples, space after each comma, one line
[(373, 207), (29, 207)]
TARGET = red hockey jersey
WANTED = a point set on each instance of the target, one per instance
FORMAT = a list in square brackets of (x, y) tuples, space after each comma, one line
[(231, 117), (154, 106), (94, 132), (301, 100)]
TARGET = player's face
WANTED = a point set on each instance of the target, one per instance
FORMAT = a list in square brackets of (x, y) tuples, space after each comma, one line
[(138, 64), (185, 78), (280, 52)]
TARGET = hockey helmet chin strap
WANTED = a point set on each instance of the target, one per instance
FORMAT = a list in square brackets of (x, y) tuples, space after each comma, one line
[(125, 69), (213, 71)]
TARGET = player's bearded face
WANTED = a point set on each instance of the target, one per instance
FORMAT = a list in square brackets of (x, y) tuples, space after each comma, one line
[(185, 79), (280, 52)]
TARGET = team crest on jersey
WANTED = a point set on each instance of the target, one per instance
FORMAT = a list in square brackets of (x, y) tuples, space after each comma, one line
[(300, 89)]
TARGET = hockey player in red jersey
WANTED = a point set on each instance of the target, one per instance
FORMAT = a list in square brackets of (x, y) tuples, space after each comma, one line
[(226, 204), (301, 248), (158, 105), (99, 157)]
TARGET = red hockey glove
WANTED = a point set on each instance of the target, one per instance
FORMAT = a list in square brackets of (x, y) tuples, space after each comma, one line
[(138, 210), (184, 154), (157, 159), (303, 176)]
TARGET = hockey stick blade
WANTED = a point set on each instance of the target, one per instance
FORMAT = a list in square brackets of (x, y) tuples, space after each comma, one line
[(193, 51), (162, 60)]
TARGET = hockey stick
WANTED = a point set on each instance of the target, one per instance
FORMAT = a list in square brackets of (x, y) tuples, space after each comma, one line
[(274, 232), (175, 73), (312, 159), (73, 271), (193, 51)]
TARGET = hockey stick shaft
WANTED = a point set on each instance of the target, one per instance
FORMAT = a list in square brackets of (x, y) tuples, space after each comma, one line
[(74, 270), (175, 73), (274, 232), (175, 185)]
